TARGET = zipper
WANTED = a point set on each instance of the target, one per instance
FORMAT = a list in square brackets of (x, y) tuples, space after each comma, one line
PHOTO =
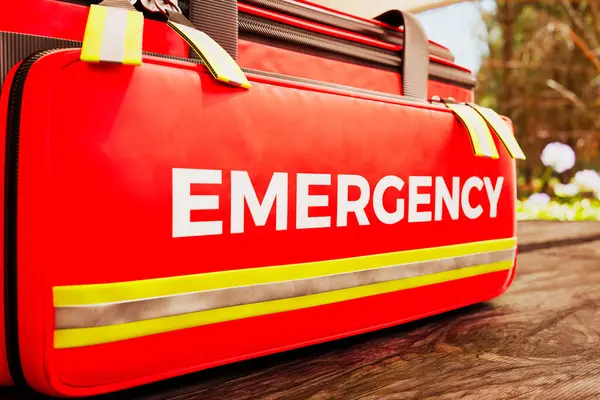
[(48, 43), (11, 172), (313, 14), (341, 21), (272, 33), (327, 85), (308, 81), (256, 29)]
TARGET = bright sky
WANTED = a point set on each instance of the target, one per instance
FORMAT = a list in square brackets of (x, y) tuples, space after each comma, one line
[(460, 28)]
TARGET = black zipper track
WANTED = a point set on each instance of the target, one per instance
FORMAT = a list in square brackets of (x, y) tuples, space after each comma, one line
[(323, 84), (272, 33), (264, 31), (309, 13), (341, 21), (19, 45), (11, 172), (261, 29), (295, 79)]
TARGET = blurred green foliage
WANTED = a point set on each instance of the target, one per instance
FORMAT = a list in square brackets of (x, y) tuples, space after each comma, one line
[(562, 210)]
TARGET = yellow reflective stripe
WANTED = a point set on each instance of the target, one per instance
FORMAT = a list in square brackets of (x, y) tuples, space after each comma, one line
[(134, 32), (65, 296), (502, 130), (215, 58), (68, 338), (158, 307), (94, 31), (113, 35), (481, 137)]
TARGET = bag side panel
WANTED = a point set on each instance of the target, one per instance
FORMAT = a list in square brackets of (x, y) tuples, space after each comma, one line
[(100, 159)]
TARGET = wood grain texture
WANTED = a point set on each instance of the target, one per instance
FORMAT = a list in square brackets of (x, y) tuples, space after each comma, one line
[(540, 340)]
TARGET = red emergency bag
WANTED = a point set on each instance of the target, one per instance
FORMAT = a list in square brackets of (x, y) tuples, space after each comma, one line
[(166, 214)]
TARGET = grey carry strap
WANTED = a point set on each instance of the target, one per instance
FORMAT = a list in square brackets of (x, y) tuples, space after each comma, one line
[(219, 20), (414, 54)]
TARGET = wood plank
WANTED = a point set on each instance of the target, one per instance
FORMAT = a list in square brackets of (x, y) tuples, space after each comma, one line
[(549, 232), (541, 339)]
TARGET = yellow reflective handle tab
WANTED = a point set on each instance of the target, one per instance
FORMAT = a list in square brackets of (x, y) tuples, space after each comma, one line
[(481, 137), (113, 35), (215, 58), (502, 130)]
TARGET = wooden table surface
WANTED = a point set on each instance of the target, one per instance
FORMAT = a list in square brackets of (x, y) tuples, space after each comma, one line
[(540, 340)]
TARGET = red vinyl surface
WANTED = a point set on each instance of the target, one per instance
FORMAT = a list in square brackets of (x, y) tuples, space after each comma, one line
[(95, 206), (64, 20)]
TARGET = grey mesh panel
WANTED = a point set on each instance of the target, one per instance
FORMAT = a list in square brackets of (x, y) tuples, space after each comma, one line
[(15, 47), (219, 20)]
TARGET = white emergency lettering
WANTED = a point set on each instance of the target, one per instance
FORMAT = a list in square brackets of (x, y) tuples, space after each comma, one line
[(345, 206), (242, 192), (382, 214), (415, 199), (443, 197), (184, 202), (423, 201), (470, 184), (304, 201)]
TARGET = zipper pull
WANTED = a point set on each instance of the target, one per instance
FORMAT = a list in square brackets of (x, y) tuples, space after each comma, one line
[(438, 99)]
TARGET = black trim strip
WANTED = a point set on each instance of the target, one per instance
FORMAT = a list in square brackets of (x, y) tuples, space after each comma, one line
[(257, 28), (217, 18), (272, 33), (277, 34), (11, 172), (196, 10), (14, 47), (341, 21)]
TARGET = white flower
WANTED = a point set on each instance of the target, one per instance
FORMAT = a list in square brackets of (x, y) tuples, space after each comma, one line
[(568, 190), (588, 180), (537, 200), (559, 156)]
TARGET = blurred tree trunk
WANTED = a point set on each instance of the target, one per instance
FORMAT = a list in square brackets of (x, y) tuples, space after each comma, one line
[(543, 72), (506, 18)]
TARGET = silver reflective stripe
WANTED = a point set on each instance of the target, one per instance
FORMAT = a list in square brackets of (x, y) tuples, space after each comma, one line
[(113, 39), (138, 310)]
